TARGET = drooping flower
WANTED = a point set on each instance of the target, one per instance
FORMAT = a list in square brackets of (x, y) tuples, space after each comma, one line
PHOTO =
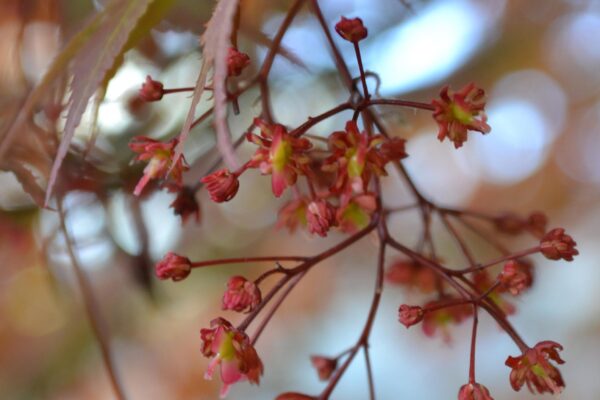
[(185, 204), (556, 244), (279, 154), (474, 391), (232, 351), (355, 212), (160, 160), (236, 61), (320, 216), (241, 295), (410, 315), (325, 366), (534, 368), (293, 214), (151, 90), (516, 276), (456, 113), (173, 266), (351, 29), (222, 185), (355, 157)]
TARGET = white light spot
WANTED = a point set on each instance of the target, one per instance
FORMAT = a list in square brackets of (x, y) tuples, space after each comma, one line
[(430, 46), (516, 147)]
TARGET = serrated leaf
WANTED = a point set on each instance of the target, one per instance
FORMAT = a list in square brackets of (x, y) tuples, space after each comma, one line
[(91, 65), (215, 42)]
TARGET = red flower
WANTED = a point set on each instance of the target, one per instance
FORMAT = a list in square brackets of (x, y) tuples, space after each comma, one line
[(355, 212), (410, 315), (351, 30), (151, 90), (459, 112), (280, 155), (516, 276), (236, 61), (534, 368), (185, 204), (325, 366), (556, 244), (293, 214), (474, 391), (232, 351), (173, 266), (241, 295), (356, 156), (222, 185), (320, 216), (160, 160)]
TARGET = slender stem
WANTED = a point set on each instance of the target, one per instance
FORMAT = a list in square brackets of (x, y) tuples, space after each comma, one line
[(513, 256), (363, 340), (278, 303), (305, 266), (473, 346), (461, 243), (402, 103), (183, 89), (92, 309), (243, 260), (270, 57), (496, 244), (369, 372), (312, 121), (276, 43), (362, 71)]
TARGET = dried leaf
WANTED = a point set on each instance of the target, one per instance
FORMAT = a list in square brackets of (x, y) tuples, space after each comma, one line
[(215, 42), (91, 65)]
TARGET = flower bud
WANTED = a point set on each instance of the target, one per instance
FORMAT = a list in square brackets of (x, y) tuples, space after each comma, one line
[(151, 90), (241, 295), (222, 185), (410, 315), (556, 244), (474, 391), (351, 29), (173, 266), (320, 216), (515, 277), (236, 62)]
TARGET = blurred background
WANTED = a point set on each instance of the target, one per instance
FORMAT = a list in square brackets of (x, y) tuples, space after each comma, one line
[(540, 65)]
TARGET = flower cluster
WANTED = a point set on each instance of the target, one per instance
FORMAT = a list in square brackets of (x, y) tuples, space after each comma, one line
[(337, 182)]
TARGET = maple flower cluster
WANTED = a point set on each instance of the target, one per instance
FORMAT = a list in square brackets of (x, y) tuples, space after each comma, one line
[(333, 184)]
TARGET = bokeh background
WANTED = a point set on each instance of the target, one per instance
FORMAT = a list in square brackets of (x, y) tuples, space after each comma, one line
[(539, 61)]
